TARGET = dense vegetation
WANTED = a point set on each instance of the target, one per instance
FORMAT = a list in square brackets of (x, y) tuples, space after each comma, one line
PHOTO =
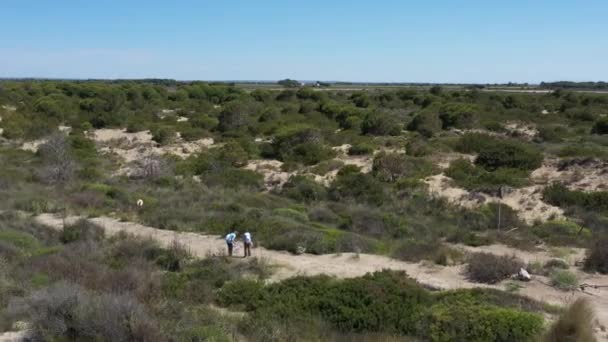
[(376, 201)]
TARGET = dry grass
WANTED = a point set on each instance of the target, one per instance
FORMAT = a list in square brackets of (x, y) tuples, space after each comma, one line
[(575, 324)]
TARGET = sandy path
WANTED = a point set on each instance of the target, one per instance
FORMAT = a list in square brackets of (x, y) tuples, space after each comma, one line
[(12, 336), (348, 265)]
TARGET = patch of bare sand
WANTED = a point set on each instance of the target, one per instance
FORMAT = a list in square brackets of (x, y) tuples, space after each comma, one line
[(526, 201), (274, 177), (521, 130), (33, 145), (525, 131), (9, 108), (349, 265), (576, 174), (13, 336), (133, 147), (443, 160), (364, 162)]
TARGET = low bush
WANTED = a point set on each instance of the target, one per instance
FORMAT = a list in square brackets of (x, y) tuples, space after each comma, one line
[(472, 177), (509, 154), (474, 142), (563, 233), (415, 251), (564, 280), (583, 151), (560, 195), (67, 310), (575, 324), (597, 255), (81, 230), (556, 264), (600, 126), (417, 148), (163, 135), (360, 149), (303, 189), (427, 123), (489, 268), (352, 184), (391, 167), (326, 166)]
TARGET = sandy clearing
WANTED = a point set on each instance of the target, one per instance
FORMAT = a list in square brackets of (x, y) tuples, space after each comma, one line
[(527, 201), (133, 147), (32, 146), (525, 131), (9, 108), (275, 177), (13, 336), (584, 175), (522, 130), (348, 265)]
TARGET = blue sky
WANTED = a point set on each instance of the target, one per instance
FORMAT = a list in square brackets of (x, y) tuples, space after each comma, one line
[(393, 41)]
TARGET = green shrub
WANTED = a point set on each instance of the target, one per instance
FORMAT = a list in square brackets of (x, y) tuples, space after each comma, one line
[(583, 151), (292, 214), (459, 115), (300, 143), (246, 292), (415, 251), (469, 322), (376, 123), (426, 123), (563, 233), (474, 142), (303, 189), (560, 195), (360, 149), (417, 148), (597, 255), (472, 177), (564, 280), (81, 230), (509, 155), (387, 302), (355, 185), (600, 126), (21, 240), (391, 167), (489, 268), (326, 166), (163, 135)]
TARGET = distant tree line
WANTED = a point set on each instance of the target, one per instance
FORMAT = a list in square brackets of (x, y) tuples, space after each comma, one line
[(575, 85)]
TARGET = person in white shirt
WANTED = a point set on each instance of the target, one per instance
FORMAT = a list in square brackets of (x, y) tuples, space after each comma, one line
[(230, 241), (247, 242)]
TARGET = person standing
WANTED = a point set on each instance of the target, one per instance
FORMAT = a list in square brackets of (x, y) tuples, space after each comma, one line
[(247, 242), (230, 241)]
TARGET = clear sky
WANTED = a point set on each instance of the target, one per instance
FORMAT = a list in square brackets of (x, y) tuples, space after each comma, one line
[(393, 41)]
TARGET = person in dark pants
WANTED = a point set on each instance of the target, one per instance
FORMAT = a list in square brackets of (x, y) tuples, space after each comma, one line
[(230, 238), (247, 242)]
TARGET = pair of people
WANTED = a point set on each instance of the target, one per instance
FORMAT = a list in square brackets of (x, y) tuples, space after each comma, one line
[(247, 242)]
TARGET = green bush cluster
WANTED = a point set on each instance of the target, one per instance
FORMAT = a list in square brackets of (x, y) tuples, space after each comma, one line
[(387, 302), (508, 154), (560, 195), (563, 233), (472, 177)]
